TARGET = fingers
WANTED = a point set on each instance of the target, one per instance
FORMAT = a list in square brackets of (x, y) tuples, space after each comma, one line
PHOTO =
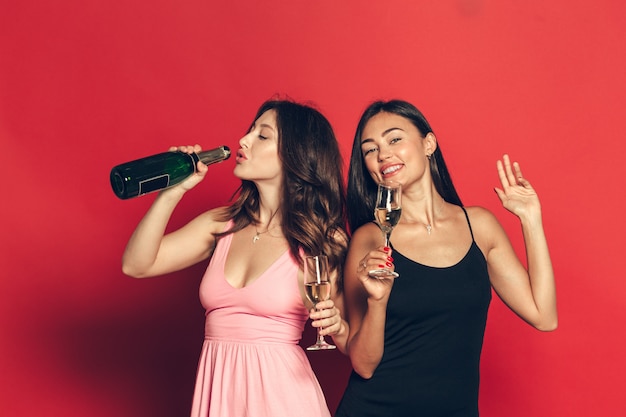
[(186, 148), (363, 267), (507, 169), (519, 176), (517, 170), (511, 180), (510, 174), (324, 305), (326, 317), (379, 258), (502, 174), (201, 168)]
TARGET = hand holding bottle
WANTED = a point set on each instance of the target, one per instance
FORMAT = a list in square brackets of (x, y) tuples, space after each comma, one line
[(200, 170), (164, 170)]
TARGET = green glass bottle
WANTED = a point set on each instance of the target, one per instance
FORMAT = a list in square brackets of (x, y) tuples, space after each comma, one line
[(163, 170)]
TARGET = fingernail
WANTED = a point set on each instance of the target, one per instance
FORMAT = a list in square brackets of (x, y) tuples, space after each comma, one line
[(386, 248), (388, 264), (381, 266), (390, 259)]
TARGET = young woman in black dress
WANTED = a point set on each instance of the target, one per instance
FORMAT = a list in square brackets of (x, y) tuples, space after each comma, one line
[(415, 341)]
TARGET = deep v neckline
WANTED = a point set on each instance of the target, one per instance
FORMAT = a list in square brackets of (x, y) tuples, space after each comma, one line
[(271, 266)]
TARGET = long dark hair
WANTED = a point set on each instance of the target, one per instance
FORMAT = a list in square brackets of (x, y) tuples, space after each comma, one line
[(313, 201), (362, 188)]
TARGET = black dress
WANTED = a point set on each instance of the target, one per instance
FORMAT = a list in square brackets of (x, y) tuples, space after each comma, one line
[(433, 338)]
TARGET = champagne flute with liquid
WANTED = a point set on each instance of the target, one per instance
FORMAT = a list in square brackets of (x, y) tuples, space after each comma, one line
[(387, 214), (317, 288)]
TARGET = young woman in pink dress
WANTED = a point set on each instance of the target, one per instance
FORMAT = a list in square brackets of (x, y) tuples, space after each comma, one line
[(290, 204)]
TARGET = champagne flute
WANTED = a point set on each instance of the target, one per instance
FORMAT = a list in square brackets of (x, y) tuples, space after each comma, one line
[(317, 288), (387, 214)]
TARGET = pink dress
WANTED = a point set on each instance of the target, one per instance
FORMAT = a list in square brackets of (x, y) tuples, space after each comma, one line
[(251, 364)]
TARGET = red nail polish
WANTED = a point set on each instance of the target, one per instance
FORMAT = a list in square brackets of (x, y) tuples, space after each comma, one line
[(390, 259), (381, 266), (388, 264), (386, 248)]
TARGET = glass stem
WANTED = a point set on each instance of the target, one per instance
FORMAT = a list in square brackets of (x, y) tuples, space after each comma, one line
[(320, 338)]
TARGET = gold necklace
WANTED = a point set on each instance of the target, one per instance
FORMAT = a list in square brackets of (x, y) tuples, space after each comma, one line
[(429, 226), (258, 234)]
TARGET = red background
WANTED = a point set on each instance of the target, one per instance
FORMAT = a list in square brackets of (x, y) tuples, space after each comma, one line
[(85, 85)]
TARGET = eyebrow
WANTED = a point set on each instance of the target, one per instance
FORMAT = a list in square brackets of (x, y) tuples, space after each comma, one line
[(262, 125), (386, 132)]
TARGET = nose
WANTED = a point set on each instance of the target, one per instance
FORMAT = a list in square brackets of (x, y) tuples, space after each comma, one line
[(384, 153), (243, 142)]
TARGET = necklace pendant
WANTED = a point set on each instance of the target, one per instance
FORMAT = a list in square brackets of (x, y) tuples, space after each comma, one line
[(429, 228), (255, 238)]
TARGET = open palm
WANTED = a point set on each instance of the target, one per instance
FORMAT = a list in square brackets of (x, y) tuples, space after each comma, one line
[(516, 194)]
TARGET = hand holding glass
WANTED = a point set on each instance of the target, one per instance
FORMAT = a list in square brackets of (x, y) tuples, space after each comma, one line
[(317, 288), (387, 214)]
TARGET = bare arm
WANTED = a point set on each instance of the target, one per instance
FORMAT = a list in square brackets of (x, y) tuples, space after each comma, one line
[(150, 252), (366, 299), (531, 292)]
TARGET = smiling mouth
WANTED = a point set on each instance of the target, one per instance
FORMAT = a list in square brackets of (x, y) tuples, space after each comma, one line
[(391, 169)]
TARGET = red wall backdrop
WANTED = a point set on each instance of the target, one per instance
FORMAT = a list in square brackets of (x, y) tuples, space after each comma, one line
[(85, 85)]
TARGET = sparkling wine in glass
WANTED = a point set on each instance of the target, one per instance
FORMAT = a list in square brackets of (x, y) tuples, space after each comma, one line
[(317, 288), (387, 214)]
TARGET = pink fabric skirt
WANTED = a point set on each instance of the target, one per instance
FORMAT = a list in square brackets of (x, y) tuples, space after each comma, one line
[(243, 379)]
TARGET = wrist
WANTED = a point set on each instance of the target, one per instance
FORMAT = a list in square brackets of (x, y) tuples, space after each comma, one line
[(375, 303), (532, 219), (342, 329), (171, 195)]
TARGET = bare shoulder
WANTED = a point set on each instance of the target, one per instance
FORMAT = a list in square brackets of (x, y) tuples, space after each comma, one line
[(480, 216), (368, 235), (211, 221), (486, 227)]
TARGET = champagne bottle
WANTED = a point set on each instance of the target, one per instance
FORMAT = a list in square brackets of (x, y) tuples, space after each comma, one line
[(163, 170)]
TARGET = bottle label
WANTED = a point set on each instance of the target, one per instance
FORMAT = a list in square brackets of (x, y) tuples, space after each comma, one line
[(154, 184)]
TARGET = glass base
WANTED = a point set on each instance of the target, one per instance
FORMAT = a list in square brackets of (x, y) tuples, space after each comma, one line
[(321, 346), (383, 273)]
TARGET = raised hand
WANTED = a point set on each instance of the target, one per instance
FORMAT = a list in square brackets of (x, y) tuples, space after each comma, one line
[(201, 169), (516, 194)]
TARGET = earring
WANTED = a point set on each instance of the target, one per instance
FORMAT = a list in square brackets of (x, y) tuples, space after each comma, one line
[(428, 156)]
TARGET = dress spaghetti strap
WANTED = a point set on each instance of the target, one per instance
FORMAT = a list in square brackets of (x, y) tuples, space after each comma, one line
[(468, 222)]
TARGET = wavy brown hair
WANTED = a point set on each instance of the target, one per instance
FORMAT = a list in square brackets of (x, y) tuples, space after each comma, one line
[(313, 193)]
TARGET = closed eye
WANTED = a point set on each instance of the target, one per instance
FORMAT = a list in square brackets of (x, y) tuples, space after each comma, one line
[(368, 151)]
